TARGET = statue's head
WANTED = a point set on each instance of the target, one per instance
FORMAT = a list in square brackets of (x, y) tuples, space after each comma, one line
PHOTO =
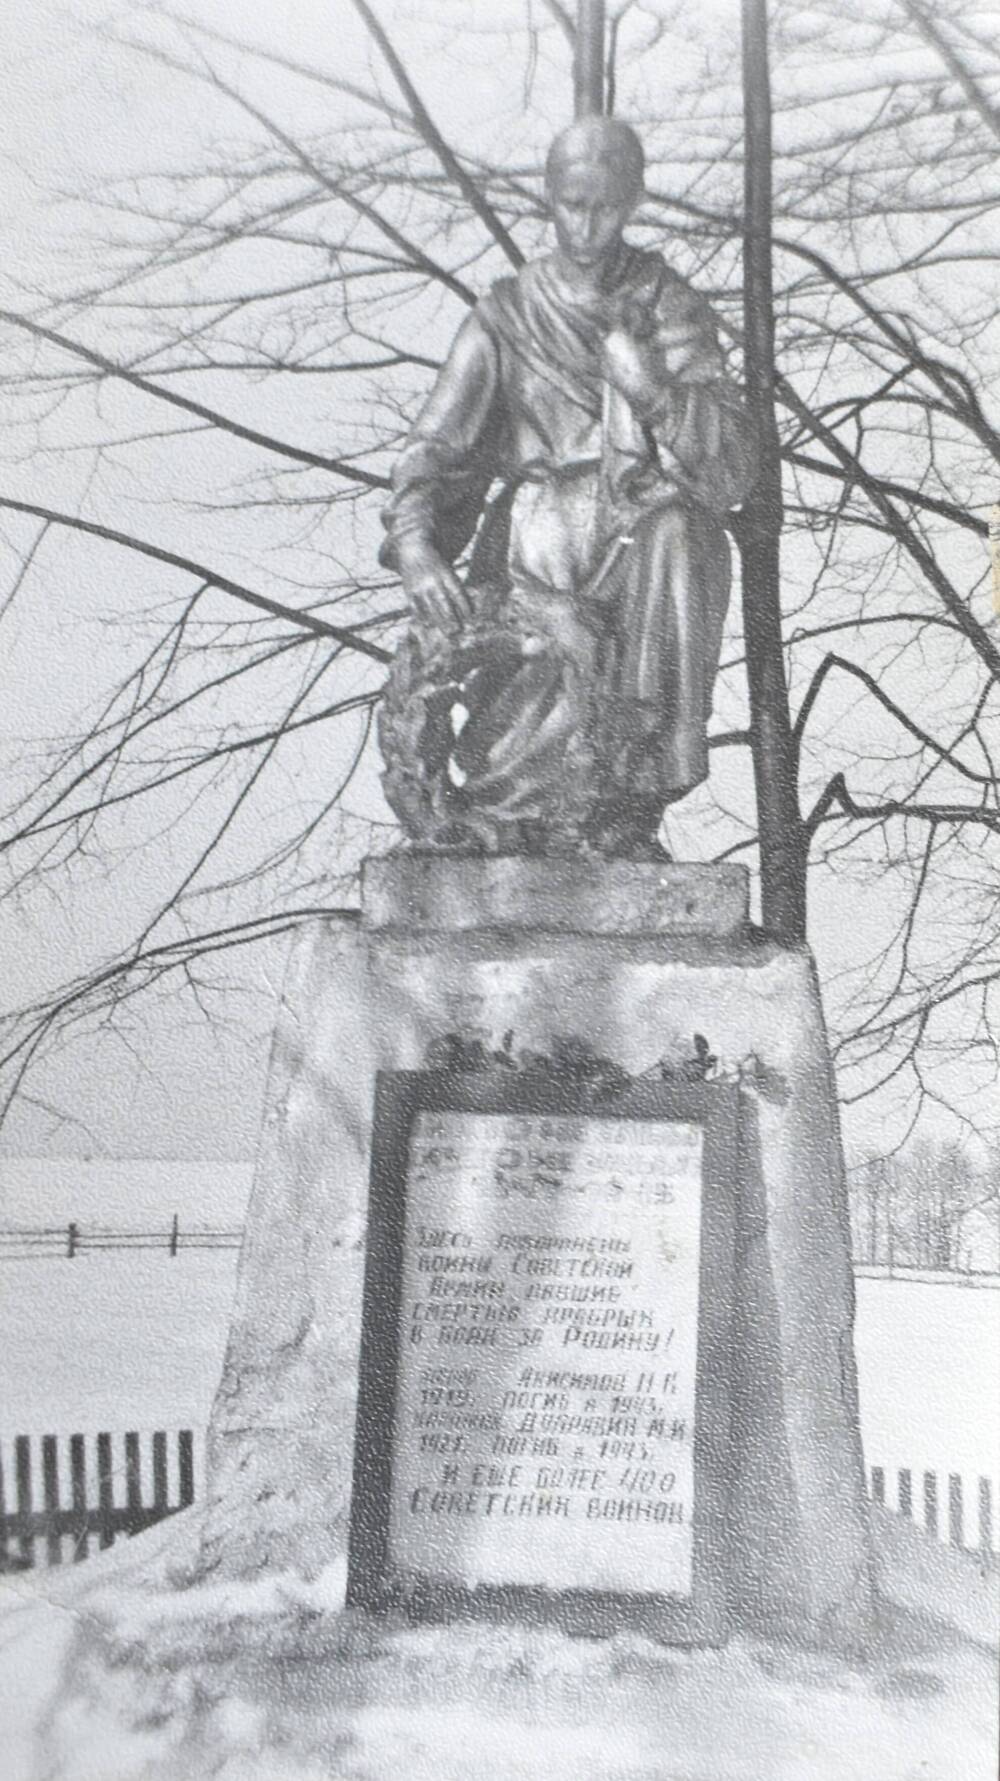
[(594, 175)]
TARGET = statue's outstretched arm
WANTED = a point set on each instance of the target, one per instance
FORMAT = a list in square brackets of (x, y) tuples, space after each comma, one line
[(439, 480), (442, 473)]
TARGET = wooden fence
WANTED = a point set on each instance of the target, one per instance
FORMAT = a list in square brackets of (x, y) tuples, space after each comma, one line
[(948, 1506), (63, 1498), (28, 1242)]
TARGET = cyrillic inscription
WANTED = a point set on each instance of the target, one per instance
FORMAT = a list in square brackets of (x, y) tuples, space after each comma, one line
[(546, 1387)]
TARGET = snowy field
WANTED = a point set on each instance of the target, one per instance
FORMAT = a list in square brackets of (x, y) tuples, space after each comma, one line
[(113, 1341), (929, 1373), (136, 1341)]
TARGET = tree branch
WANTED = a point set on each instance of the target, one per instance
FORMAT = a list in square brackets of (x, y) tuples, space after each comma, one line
[(416, 255), (108, 368), (434, 139), (832, 661), (954, 64), (959, 516), (836, 794), (953, 384), (276, 608), (901, 531)]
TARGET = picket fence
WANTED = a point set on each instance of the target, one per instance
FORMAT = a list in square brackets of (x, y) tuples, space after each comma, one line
[(60, 1499), (66, 1495), (943, 1503)]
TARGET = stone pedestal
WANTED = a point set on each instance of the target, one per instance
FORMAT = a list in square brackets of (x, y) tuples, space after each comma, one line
[(633, 959)]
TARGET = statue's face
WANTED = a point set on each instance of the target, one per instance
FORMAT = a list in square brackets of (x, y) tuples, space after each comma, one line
[(590, 204)]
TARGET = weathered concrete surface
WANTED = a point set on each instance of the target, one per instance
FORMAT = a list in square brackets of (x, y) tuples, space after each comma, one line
[(359, 999), (432, 891)]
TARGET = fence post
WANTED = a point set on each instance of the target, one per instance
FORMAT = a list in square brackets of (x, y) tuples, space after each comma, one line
[(930, 1502), (160, 1472), (50, 1491), (985, 1515), (185, 1465), (78, 1487), (3, 1522), (105, 1492), (955, 1516), (878, 1484), (906, 1492), (133, 1482), (72, 1239), (22, 1472), (54, 1519), (173, 1235)]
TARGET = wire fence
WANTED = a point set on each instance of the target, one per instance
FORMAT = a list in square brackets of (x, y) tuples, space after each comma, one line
[(35, 1242), (30, 1242)]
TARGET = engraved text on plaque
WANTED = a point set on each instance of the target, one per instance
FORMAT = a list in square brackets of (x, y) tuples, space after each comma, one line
[(539, 1282)]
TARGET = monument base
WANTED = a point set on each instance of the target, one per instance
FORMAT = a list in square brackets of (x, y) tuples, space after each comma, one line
[(654, 972), (114, 1668)]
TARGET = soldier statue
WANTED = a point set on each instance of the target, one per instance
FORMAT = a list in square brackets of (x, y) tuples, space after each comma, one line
[(583, 437)]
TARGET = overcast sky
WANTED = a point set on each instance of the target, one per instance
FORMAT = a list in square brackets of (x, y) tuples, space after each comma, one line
[(77, 112)]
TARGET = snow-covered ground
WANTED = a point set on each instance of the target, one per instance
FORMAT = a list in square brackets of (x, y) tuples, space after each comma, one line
[(113, 1340), (135, 1341), (116, 1677), (174, 1688), (929, 1383)]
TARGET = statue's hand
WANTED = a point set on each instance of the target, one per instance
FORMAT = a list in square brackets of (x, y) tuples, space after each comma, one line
[(438, 599), (688, 354), (634, 367), (645, 369)]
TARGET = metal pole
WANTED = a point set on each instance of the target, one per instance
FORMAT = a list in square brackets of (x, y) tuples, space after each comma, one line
[(588, 59)]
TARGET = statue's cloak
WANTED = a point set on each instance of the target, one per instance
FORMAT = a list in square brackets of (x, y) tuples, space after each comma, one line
[(605, 543), (522, 396)]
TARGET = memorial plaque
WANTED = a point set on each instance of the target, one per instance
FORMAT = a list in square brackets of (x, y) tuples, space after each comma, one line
[(543, 1414)]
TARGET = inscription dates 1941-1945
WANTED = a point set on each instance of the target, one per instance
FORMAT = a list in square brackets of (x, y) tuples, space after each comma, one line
[(543, 1409)]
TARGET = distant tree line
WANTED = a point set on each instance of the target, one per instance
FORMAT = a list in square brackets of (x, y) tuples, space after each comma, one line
[(928, 1206)]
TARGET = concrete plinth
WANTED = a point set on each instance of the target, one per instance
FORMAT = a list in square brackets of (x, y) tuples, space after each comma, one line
[(634, 960), (432, 893)]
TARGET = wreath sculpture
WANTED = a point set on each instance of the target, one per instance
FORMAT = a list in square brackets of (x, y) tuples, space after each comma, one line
[(488, 741)]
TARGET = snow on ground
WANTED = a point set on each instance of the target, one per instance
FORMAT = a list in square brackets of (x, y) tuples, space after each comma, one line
[(116, 1676), (120, 1191), (106, 1675), (113, 1341), (929, 1375), (136, 1341)]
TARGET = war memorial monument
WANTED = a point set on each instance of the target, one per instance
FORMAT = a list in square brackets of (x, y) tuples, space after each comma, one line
[(536, 1450), (545, 1305)]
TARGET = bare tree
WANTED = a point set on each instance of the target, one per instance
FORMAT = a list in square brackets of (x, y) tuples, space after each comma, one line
[(265, 324), (928, 1206)]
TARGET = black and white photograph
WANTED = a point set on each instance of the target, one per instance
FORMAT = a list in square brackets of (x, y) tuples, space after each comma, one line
[(500, 890)]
